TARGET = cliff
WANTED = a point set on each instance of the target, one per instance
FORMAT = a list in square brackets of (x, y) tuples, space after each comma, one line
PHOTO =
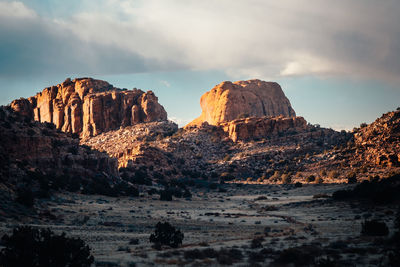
[(253, 98), (89, 107), (255, 128)]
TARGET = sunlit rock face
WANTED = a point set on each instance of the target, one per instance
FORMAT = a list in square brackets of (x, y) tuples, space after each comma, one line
[(253, 98), (89, 107), (254, 128)]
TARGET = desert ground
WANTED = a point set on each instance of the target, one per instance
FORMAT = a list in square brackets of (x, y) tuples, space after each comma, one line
[(253, 222)]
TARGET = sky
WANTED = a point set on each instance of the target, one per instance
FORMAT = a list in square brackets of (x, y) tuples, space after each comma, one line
[(338, 62)]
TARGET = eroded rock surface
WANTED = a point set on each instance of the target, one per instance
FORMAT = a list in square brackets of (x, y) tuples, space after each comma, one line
[(89, 107), (28, 146), (253, 98), (256, 128), (379, 142)]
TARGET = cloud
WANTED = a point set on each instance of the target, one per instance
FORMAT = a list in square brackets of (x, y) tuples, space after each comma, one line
[(165, 83), (244, 38), (15, 9)]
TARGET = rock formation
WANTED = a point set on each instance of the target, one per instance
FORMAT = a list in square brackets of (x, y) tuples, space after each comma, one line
[(379, 142), (255, 128), (27, 145), (253, 98), (88, 107)]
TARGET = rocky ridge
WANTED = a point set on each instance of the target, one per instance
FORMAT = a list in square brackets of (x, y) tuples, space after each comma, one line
[(88, 107), (228, 101), (379, 142)]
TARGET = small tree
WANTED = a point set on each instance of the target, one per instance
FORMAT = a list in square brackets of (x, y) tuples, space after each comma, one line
[(166, 234)]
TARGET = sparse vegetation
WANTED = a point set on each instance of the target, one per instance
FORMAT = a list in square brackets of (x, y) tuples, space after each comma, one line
[(31, 247)]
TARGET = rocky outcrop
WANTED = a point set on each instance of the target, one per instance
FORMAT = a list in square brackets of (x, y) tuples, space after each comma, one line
[(253, 98), (265, 127), (89, 107), (129, 139), (27, 145), (379, 142)]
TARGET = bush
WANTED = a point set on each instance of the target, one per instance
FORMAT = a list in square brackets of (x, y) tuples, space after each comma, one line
[(298, 184), (257, 242), (41, 248), (382, 191), (166, 195), (351, 178), (187, 194), (25, 197), (229, 256), (166, 234), (319, 180), (374, 228), (310, 179)]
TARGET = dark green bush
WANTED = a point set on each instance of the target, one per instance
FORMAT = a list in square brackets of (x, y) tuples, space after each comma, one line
[(166, 234), (30, 247), (25, 197), (374, 228), (166, 195), (310, 179)]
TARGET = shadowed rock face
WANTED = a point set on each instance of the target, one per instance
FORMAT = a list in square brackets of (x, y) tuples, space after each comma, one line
[(253, 98), (89, 107)]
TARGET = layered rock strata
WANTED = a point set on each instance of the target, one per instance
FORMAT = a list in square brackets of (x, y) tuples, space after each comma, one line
[(256, 128)]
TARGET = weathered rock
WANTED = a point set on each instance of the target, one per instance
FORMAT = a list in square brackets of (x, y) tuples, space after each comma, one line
[(253, 98), (88, 107), (33, 145), (255, 128), (379, 142)]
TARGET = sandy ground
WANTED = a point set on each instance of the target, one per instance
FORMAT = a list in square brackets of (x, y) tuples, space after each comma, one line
[(210, 218)]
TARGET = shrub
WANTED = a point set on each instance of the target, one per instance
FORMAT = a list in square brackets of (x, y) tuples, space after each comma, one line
[(352, 178), (134, 241), (25, 197), (194, 254), (166, 195), (298, 184), (31, 132), (257, 242), (229, 256), (298, 256), (166, 234), (187, 194), (310, 179), (374, 228), (319, 180), (33, 247)]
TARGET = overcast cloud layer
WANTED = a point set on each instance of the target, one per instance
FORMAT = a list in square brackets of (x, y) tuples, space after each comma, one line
[(244, 38)]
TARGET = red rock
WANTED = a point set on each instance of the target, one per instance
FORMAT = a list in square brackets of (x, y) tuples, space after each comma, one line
[(253, 98), (254, 128), (88, 107)]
